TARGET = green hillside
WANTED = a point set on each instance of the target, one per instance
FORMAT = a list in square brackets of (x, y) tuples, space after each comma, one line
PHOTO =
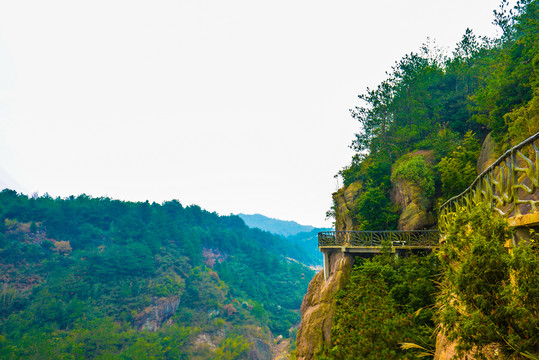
[(85, 278)]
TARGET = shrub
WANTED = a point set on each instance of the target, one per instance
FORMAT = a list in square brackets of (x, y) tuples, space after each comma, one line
[(415, 170)]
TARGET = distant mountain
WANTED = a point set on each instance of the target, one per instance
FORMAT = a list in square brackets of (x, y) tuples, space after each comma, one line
[(6, 181), (275, 226), (304, 237)]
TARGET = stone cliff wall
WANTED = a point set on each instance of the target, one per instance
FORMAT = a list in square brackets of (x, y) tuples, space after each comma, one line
[(488, 154), (319, 305), (344, 200)]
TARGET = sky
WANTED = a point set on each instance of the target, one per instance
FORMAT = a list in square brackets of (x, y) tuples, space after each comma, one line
[(236, 106)]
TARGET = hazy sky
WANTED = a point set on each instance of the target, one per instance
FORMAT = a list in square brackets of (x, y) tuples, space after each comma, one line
[(237, 106)]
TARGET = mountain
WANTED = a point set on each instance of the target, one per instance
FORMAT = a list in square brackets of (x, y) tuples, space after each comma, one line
[(275, 226), (7, 182), (302, 237), (85, 277)]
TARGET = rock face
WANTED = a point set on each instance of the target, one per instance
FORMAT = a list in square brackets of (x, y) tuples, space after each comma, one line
[(260, 349), (445, 350), (487, 156), (319, 305), (344, 200), (153, 317), (416, 208)]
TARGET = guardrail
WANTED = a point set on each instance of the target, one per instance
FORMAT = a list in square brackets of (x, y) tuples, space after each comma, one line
[(510, 185), (418, 238)]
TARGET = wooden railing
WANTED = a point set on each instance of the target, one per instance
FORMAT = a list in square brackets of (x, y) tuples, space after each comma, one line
[(510, 185), (402, 239)]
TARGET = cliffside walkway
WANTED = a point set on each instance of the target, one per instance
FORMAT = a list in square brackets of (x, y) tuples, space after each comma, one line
[(510, 185), (370, 242), (365, 240)]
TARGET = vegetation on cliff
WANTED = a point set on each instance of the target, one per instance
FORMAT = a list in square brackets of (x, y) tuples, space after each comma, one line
[(388, 301), (443, 107), (488, 294), (82, 278), (446, 104)]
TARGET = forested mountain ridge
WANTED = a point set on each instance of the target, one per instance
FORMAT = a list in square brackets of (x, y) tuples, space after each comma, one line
[(425, 133), (87, 277), (302, 236), (280, 227)]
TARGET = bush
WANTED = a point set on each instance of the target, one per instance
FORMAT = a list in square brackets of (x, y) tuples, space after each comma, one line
[(414, 169), (374, 211)]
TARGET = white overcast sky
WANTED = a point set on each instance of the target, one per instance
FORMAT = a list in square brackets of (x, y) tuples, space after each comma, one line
[(237, 106)]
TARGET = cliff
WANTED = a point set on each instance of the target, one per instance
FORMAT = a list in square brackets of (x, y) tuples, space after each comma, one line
[(319, 305), (344, 200), (410, 194)]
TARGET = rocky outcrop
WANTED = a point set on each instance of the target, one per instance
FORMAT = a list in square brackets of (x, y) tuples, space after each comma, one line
[(344, 200), (260, 349), (319, 305), (488, 154), (281, 348), (446, 350), (153, 317), (261, 343), (415, 206)]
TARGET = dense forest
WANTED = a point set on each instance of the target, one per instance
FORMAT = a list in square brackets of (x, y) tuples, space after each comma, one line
[(425, 124), (85, 278)]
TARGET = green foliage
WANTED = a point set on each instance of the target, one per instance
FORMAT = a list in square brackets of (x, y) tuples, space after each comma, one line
[(386, 302), (232, 348), (446, 105), (489, 295), (512, 78), (434, 102), (415, 170), (369, 170), (126, 258), (523, 122), (374, 211), (458, 169)]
